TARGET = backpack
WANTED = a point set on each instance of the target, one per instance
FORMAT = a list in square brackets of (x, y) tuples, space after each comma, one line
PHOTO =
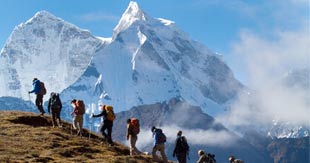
[(161, 136), (211, 158), (55, 101), (42, 90), (238, 161), (110, 113), (80, 107), (135, 124), (183, 144)]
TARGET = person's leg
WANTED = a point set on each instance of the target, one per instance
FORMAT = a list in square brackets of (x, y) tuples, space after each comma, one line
[(181, 157), (109, 127), (80, 124), (103, 128), (154, 155), (133, 140), (58, 120), (75, 123), (161, 148), (135, 149), (53, 117), (39, 102)]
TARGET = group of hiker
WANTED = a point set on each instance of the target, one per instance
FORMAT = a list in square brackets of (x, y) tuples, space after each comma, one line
[(181, 148)]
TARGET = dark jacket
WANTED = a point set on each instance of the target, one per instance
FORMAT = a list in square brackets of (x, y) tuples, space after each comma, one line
[(58, 102), (179, 146), (104, 115), (157, 134)]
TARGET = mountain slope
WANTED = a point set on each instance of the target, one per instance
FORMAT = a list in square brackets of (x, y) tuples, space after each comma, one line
[(48, 48), (26, 137)]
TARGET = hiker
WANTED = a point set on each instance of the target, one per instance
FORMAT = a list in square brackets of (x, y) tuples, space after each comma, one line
[(133, 129), (205, 157), (159, 144), (181, 148), (54, 104), (40, 90), (78, 112), (232, 159), (108, 117)]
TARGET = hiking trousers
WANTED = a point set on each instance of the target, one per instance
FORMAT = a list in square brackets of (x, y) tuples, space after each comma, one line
[(107, 125), (161, 149), (133, 148), (56, 116), (78, 123), (39, 103), (181, 157)]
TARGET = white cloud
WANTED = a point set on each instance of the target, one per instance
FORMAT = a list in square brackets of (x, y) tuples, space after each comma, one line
[(264, 61), (194, 137)]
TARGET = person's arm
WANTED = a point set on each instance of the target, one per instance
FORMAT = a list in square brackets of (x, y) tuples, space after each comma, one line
[(156, 138), (49, 105), (36, 87), (99, 115), (60, 104), (128, 131)]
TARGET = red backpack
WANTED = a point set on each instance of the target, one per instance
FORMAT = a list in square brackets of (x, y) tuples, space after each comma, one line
[(80, 107), (135, 124)]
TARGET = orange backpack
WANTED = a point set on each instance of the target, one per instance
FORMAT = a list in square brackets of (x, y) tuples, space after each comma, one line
[(110, 113)]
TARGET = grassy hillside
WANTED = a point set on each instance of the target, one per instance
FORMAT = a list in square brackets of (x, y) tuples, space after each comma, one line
[(27, 137)]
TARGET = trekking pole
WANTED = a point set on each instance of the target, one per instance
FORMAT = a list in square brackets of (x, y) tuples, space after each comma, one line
[(90, 126), (71, 129)]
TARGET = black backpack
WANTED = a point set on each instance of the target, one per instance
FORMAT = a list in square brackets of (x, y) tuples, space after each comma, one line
[(55, 101), (161, 136), (42, 89), (183, 145), (211, 158)]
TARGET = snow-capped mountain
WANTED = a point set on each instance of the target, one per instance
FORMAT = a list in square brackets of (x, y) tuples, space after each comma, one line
[(147, 60), (48, 48), (299, 81), (150, 60)]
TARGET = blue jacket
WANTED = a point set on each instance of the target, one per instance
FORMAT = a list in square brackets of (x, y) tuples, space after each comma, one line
[(35, 87)]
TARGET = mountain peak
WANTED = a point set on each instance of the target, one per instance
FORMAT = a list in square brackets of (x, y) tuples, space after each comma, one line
[(43, 15), (132, 13)]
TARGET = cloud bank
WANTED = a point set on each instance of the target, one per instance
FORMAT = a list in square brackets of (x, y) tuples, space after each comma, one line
[(265, 61)]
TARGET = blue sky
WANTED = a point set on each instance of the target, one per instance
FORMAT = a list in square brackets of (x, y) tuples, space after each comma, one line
[(234, 28)]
